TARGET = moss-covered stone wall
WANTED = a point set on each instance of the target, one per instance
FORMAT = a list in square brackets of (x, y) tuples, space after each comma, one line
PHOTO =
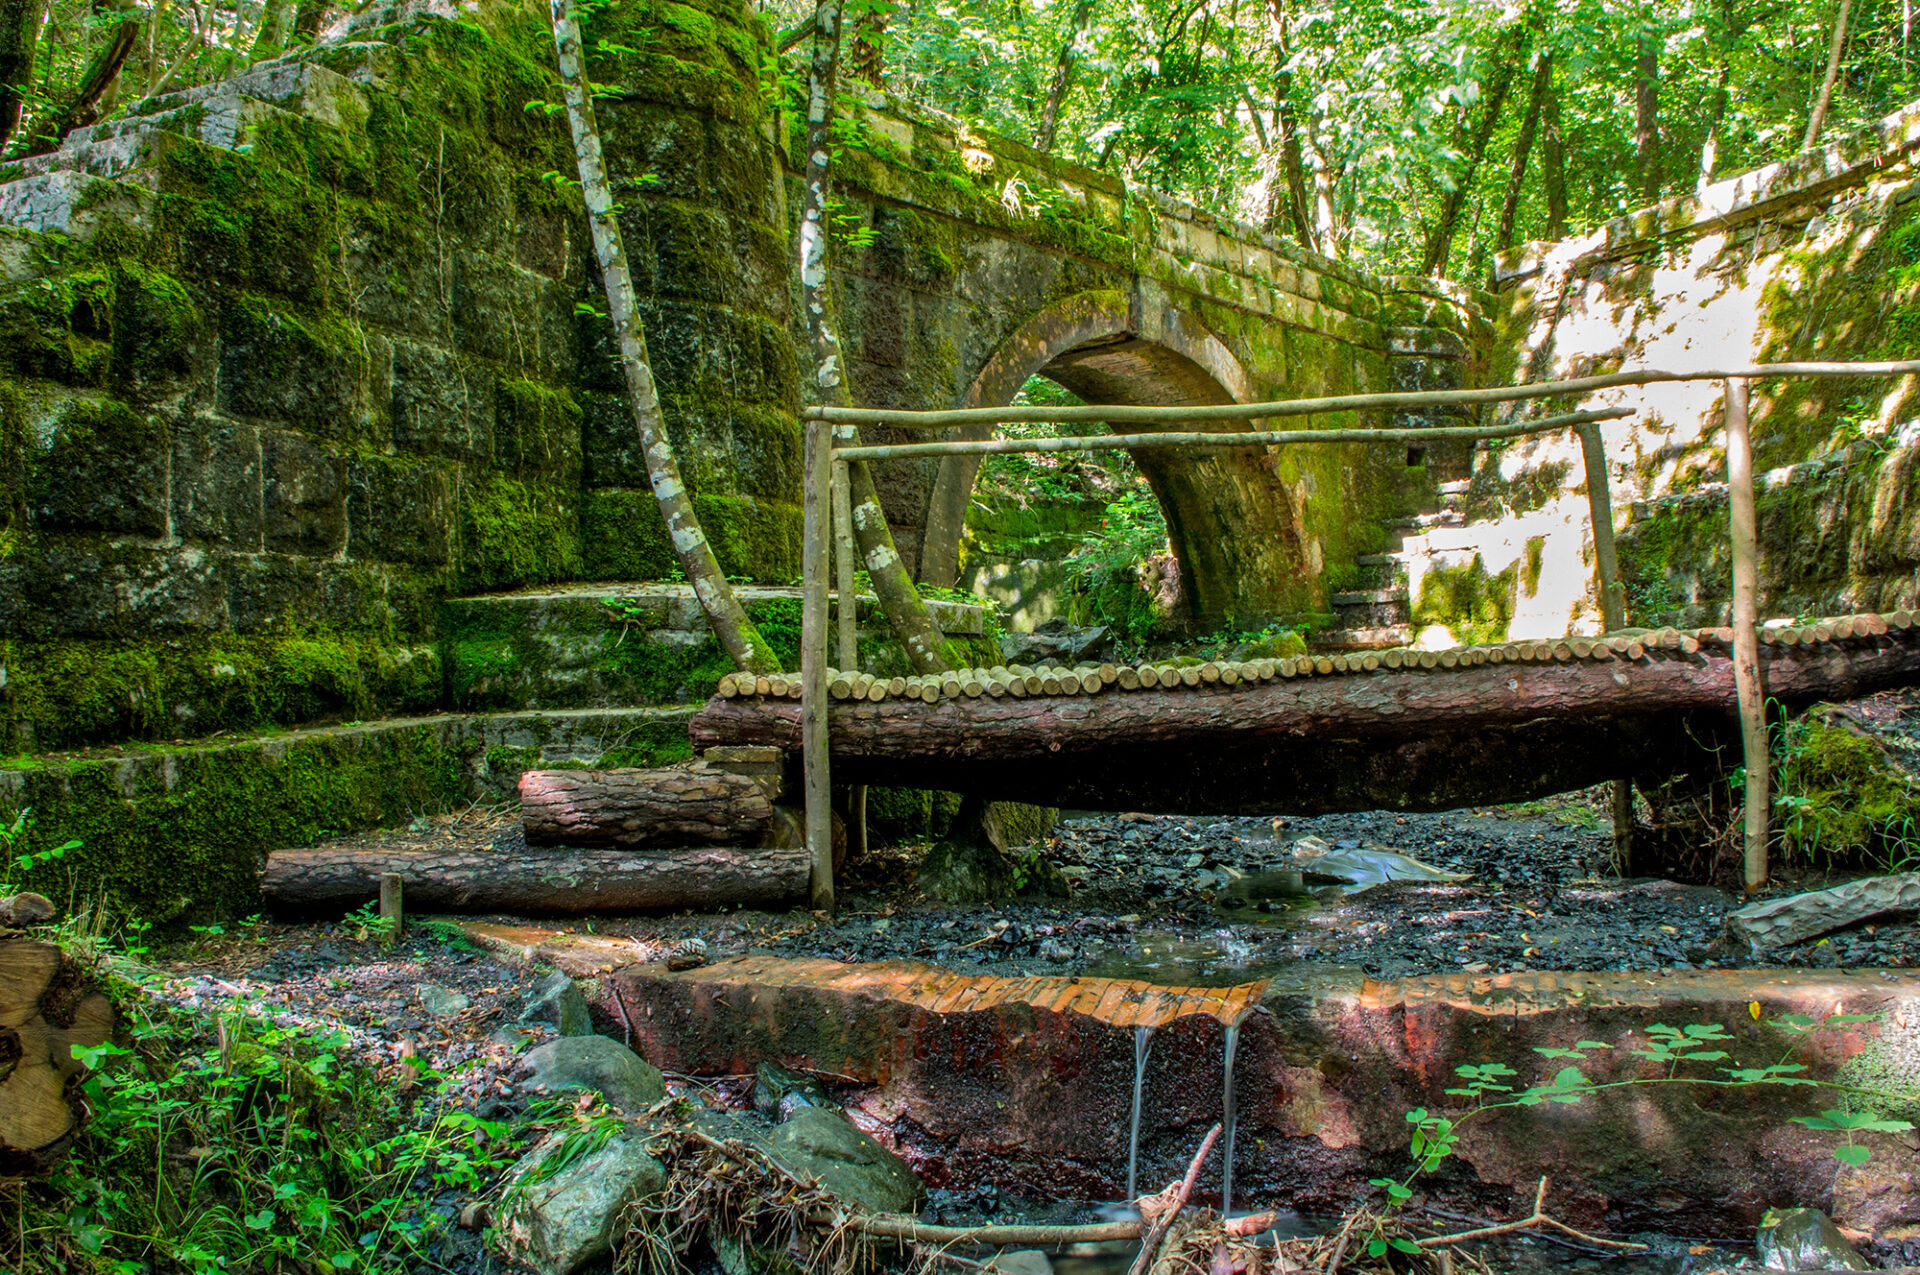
[(1815, 259), (286, 361)]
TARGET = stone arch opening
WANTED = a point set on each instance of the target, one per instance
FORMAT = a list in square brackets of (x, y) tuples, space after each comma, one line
[(1233, 522)]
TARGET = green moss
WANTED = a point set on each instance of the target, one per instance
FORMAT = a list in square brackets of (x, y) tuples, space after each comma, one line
[(623, 537), (184, 836), (514, 533), (536, 428), (1840, 795), (76, 694), (1475, 605), (898, 816)]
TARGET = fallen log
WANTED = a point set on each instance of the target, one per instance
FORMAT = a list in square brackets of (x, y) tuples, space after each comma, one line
[(687, 805), (534, 880), (48, 1004), (1413, 739)]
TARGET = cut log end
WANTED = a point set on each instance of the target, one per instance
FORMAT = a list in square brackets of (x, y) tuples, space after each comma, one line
[(48, 1005)]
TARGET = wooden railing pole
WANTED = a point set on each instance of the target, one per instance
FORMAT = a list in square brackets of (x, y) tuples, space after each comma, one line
[(816, 515), (845, 555), (1613, 610), (1746, 641)]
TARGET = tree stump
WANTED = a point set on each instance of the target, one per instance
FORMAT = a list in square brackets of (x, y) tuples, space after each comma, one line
[(49, 1003)]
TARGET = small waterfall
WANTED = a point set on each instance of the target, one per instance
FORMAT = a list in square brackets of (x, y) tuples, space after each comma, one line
[(1142, 1042), (1229, 1116)]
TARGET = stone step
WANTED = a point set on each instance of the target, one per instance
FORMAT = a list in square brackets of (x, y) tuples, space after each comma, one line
[(1458, 487), (182, 828), (1370, 597), (607, 644)]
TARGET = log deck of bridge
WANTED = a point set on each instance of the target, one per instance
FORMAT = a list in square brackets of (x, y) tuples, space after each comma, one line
[(1385, 730)]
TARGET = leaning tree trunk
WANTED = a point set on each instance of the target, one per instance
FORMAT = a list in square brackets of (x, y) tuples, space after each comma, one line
[(1286, 127), (1818, 120), (48, 1004), (1522, 152), (736, 632), (1553, 164), (1440, 239), (926, 646), (1646, 118), (1062, 76), (97, 82)]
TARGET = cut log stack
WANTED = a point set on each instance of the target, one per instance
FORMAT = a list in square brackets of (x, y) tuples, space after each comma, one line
[(701, 835), (49, 1003), (1020, 681)]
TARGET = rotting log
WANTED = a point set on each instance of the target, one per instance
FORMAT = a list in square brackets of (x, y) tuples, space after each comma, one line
[(688, 805), (1415, 739), (546, 881), (49, 1003)]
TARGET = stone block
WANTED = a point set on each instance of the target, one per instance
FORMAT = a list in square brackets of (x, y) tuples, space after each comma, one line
[(442, 403), (304, 495), (102, 466), (310, 369), (538, 430), (496, 307), (399, 511), (217, 483)]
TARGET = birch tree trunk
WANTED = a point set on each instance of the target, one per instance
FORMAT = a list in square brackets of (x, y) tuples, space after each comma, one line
[(926, 646), (1818, 120), (736, 632)]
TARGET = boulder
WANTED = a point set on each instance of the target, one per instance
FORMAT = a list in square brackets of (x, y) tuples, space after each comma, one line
[(442, 1002), (1024, 1261), (973, 863), (619, 1075), (557, 999), (558, 1222), (821, 1143), (1805, 1240)]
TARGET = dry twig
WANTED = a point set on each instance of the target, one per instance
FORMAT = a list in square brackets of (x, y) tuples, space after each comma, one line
[(1150, 1247), (1538, 1217)]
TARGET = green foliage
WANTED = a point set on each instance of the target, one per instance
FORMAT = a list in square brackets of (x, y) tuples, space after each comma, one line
[(1841, 799), (17, 857), (245, 1146)]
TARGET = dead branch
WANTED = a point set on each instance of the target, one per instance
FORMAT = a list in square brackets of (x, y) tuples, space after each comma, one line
[(1150, 1247), (887, 1226), (1538, 1218)]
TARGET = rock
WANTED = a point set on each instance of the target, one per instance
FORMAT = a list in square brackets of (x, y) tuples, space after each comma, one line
[(1781, 922), (558, 1224), (619, 1075), (1805, 1240), (1055, 642), (1372, 867), (780, 1091), (557, 999), (475, 1216), (1876, 1197), (1025, 1261), (821, 1143), (972, 864), (1310, 848), (442, 1002)]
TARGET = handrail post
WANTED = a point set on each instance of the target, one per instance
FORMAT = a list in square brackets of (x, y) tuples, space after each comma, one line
[(816, 498), (1613, 610), (1743, 532), (845, 554)]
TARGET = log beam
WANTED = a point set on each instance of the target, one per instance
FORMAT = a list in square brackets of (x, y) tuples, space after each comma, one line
[(1406, 739)]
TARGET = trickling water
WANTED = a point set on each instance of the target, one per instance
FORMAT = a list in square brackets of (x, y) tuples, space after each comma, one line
[(1142, 1041), (1228, 1118)]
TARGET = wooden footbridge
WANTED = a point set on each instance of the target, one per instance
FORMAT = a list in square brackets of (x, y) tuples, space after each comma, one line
[(1398, 729)]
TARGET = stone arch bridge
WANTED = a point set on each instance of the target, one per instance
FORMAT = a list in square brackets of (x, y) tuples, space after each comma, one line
[(372, 364)]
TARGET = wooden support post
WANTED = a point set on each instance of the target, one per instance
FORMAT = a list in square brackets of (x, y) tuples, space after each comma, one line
[(857, 821), (1613, 610), (1746, 642), (813, 661), (392, 907), (845, 556)]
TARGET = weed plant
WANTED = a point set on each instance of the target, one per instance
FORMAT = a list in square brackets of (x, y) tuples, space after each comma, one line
[(228, 1143)]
